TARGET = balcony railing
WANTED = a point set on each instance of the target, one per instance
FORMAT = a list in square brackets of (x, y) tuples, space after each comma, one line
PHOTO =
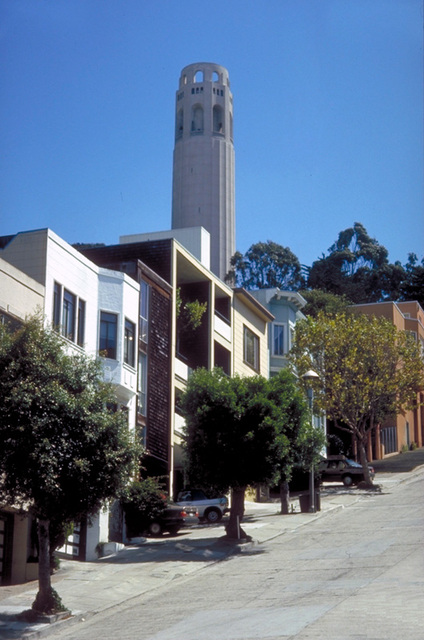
[(222, 327), (182, 370)]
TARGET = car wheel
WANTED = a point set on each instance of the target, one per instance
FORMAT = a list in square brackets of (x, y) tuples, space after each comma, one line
[(213, 515), (155, 529), (348, 481)]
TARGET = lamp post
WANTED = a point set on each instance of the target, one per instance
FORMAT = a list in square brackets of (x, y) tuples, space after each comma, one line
[(308, 377)]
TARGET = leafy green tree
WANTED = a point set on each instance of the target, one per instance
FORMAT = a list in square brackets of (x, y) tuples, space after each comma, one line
[(230, 436), (63, 453), (264, 265), (300, 443), (318, 300), (368, 370), (242, 431), (143, 501), (412, 287), (357, 267)]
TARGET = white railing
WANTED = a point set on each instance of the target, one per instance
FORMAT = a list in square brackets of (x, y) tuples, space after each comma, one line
[(222, 327)]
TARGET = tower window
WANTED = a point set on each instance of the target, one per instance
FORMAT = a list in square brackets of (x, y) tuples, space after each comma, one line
[(215, 76), (197, 118), (198, 76), (179, 127), (218, 119)]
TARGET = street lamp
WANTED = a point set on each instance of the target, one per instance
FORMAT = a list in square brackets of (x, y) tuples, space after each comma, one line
[(309, 377)]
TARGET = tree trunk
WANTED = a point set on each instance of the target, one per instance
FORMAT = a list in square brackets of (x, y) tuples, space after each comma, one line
[(285, 497), (47, 600), (233, 529), (364, 462)]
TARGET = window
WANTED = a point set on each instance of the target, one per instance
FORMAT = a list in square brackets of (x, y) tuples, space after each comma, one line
[(108, 334), (81, 323), (142, 384), (144, 310), (218, 119), (197, 118), (57, 304), (68, 315), (129, 343), (251, 348), (277, 339)]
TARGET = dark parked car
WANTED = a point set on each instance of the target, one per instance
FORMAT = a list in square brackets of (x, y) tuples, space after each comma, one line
[(342, 469), (171, 520)]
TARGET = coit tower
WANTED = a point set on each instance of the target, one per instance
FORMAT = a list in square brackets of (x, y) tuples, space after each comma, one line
[(203, 173)]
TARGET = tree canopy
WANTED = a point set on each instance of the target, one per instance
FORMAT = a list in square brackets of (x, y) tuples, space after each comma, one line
[(63, 452), (266, 265), (368, 370), (242, 431), (412, 287), (357, 266), (329, 303)]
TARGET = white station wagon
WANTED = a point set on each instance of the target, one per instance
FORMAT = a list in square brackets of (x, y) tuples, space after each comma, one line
[(210, 509)]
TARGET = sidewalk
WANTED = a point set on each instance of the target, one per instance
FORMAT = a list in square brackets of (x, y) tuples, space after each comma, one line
[(92, 587)]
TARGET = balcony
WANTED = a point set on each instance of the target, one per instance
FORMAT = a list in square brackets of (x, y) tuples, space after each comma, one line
[(222, 327), (182, 370)]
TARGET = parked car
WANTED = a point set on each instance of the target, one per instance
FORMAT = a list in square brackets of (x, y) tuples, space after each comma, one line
[(210, 509), (342, 469), (171, 520)]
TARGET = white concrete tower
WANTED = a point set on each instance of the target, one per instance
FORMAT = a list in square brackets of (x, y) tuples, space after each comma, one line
[(203, 175)]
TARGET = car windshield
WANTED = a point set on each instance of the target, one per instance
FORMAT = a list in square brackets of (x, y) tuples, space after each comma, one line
[(352, 463)]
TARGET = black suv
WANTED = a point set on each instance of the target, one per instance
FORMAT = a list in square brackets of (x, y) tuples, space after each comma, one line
[(342, 469)]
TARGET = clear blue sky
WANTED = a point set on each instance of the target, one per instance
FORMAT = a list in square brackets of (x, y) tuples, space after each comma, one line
[(328, 116)]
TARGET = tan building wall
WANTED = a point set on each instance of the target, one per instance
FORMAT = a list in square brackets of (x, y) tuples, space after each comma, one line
[(20, 295), (250, 314)]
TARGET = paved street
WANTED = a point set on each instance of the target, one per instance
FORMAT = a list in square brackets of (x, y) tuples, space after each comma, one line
[(356, 573)]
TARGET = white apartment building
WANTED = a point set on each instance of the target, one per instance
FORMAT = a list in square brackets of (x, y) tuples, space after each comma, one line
[(96, 310)]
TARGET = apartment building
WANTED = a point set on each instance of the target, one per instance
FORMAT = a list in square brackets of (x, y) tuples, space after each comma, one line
[(96, 310), (233, 332)]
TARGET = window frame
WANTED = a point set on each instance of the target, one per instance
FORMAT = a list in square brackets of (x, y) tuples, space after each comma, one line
[(111, 352), (129, 342), (282, 327), (144, 309), (142, 373), (69, 305), (253, 338), (68, 314)]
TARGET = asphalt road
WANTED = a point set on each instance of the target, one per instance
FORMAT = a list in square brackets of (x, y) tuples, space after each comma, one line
[(356, 574)]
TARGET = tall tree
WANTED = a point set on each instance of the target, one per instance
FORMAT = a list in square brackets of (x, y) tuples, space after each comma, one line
[(357, 267), (264, 265), (301, 443), (412, 287), (230, 436), (318, 300), (63, 453), (368, 370), (242, 431)]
